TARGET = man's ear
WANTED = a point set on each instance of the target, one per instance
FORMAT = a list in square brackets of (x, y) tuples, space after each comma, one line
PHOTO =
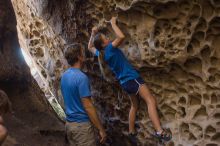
[(103, 44), (80, 57)]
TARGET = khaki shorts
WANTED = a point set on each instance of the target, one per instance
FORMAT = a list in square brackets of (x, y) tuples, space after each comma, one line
[(80, 134)]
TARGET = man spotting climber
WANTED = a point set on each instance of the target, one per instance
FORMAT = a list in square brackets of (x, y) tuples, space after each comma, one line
[(130, 80), (4, 108), (79, 110)]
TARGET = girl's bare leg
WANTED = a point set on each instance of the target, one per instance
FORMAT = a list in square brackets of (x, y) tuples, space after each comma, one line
[(150, 100), (132, 113)]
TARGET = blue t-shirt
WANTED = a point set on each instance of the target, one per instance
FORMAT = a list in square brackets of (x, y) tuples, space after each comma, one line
[(75, 86), (119, 64)]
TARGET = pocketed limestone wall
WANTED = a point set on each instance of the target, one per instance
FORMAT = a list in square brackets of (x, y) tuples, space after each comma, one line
[(173, 43)]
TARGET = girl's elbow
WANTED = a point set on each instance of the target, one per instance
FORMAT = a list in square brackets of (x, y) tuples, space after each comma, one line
[(90, 49), (122, 37)]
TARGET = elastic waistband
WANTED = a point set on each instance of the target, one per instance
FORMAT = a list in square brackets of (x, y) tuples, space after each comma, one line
[(128, 79), (122, 81), (76, 123)]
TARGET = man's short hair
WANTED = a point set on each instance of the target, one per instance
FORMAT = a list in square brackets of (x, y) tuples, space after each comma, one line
[(72, 53), (5, 105)]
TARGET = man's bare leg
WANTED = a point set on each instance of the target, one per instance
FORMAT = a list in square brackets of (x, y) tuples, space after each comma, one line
[(132, 113)]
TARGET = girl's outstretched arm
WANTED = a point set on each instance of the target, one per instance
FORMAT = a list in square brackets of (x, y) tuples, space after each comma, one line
[(119, 34), (90, 45)]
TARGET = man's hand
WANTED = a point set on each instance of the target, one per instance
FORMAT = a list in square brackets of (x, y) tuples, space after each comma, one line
[(91, 111), (113, 20), (103, 136), (94, 30)]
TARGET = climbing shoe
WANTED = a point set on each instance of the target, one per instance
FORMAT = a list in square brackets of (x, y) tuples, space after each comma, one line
[(133, 138), (165, 135)]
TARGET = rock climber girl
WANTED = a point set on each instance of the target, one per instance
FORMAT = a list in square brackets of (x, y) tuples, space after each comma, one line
[(128, 77)]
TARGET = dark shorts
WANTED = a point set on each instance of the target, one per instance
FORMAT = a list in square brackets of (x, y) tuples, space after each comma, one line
[(132, 86)]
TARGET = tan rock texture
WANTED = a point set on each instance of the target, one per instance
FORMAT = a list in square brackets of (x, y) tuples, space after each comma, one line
[(173, 43)]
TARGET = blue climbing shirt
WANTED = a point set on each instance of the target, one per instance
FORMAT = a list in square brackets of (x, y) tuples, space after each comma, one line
[(75, 86), (119, 64)]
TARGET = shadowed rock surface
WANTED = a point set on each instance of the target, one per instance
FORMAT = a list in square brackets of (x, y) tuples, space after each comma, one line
[(173, 43), (31, 122)]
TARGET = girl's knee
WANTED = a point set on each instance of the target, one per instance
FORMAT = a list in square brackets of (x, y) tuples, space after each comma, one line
[(151, 100), (134, 102), (154, 102), (134, 107)]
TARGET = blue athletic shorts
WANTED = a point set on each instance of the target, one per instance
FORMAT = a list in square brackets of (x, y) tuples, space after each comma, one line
[(132, 86)]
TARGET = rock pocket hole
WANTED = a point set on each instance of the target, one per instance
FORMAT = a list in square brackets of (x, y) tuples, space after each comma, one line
[(216, 137), (205, 52), (193, 64), (210, 130), (182, 101), (211, 144), (189, 49), (194, 99), (201, 113)]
